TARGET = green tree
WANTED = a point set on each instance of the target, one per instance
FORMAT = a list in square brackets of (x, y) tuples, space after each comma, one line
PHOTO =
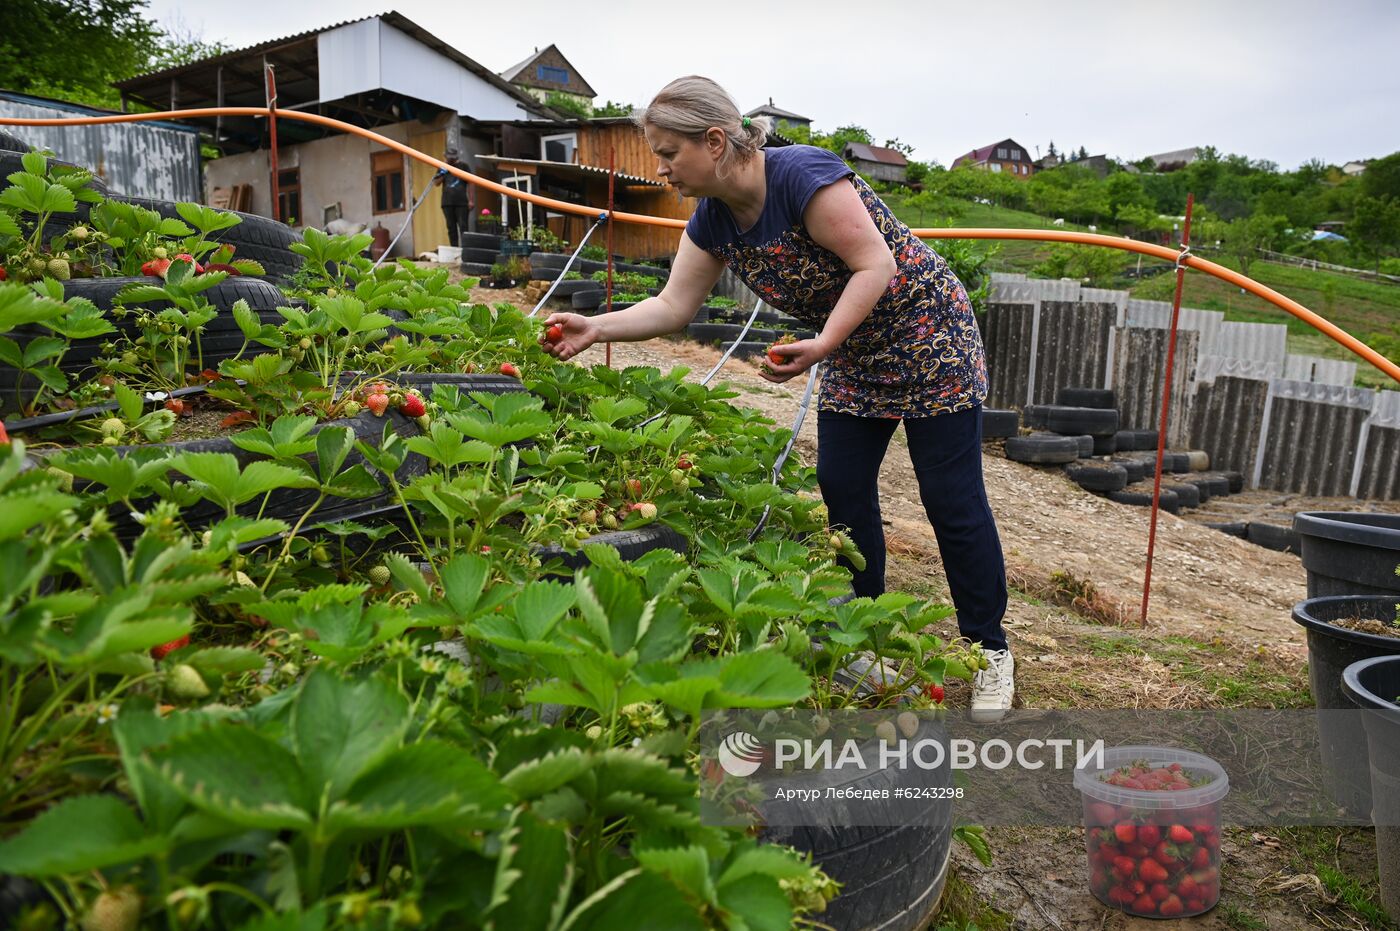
[(1244, 238), (567, 103), (1382, 177), (1375, 226), (613, 109), (74, 49)]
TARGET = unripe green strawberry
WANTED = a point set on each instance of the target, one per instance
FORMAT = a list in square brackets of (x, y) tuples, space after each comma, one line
[(160, 252), (608, 520), (647, 510), (678, 478), (380, 576), (114, 426), (885, 732), (37, 267), (58, 268), (835, 542), (79, 233), (321, 553), (114, 910), (350, 408), (185, 682), (130, 358), (589, 517), (908, 723), (424, 422)]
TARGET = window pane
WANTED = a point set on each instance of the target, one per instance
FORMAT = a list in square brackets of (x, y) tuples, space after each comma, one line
[(396, 186), (380, 194)]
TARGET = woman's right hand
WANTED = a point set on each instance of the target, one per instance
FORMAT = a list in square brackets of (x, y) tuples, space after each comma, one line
[(576, 333)]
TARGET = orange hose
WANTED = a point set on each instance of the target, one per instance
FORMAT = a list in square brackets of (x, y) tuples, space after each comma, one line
[(1318, 323)]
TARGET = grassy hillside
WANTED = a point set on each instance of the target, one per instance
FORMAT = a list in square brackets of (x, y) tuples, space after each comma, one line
[(1360, 307)]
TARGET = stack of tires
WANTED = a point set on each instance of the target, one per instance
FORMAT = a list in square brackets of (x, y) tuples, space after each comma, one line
[(1081, 432)]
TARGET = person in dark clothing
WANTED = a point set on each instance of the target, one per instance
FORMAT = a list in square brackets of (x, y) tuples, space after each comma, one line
[(894, 329), (456, 200)]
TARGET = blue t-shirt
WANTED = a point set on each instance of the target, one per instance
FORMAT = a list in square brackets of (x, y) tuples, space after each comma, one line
[(918, 354)]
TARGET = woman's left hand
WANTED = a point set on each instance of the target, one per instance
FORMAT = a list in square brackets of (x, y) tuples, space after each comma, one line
[(797, 358)]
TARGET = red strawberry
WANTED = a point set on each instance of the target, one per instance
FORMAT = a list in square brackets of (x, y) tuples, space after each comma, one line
[(1180, 834), (509, 369), (412, 406), (634, 485), (776, 357), (156, 268), (1143, 904), (3, 274), (1152, 871), (4, 437), (1188, 888), (1102, 813), (1148, 835), (1194, 905), (186, 257), (1124, 866), (165, 649), (684, 464), (176, 406), (377, 404), (1170, 907), (933, 690), (1159, 892), (555, 333), (1119, 895), (1200, 858), (1126, 832)]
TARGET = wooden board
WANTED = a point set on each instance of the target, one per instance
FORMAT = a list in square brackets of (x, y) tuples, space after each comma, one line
[(429, 225)]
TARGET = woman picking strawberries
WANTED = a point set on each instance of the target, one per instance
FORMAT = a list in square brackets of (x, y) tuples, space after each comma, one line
[(894, 326)]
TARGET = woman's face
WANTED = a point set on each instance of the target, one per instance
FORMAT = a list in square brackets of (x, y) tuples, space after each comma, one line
[(688, 165)]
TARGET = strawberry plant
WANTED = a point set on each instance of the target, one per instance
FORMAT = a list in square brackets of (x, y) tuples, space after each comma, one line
[(37, 195)]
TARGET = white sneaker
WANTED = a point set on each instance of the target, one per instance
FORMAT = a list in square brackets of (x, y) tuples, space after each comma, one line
[(994, 687)]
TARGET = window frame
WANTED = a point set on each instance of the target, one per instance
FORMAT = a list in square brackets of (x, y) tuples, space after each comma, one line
[(287, 192), (540, 74), (376, 172), (572, 138)]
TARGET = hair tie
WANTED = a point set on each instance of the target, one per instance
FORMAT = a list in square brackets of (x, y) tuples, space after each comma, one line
[(745, 121)]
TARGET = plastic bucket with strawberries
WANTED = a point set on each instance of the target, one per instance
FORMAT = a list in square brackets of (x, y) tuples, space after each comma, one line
[(1152, 830)]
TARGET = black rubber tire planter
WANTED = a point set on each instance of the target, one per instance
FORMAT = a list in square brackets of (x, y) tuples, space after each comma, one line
[(1034, 415), (1042, 449), (484, 256), (259, 238), (1127, 440), (1187, 495), (1136, 469), (479, 241), (220, 339), (1104, 446), (1273, 537), (999, 424), (1075, 420), (1100, 398), (1167, 501), (1235, 528), (1086, 445), (1097, 476), (630, 545)]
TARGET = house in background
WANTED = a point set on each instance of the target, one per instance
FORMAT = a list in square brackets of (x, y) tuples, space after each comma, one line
[(568, 160), (877, 162), (1098, 164), (546, 72), (1007, 156), (1178, 158), (150, 159), (383, 72), (1352, 169), (779, 116)]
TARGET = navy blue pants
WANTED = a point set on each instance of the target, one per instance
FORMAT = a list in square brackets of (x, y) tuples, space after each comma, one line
[(947, 454)]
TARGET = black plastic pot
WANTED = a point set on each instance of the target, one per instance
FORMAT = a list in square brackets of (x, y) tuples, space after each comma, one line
[(1348, 553), (1331, 650), (1374, 686)]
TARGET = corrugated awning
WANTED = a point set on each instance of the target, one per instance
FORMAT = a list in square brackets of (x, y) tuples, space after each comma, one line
[(568, 168)]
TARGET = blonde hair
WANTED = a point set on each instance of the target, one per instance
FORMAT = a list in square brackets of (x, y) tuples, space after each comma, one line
[(691, 105)]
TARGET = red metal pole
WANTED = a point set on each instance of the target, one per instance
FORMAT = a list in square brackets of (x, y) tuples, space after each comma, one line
[(272, 133), (612, 176), (1166, 404)]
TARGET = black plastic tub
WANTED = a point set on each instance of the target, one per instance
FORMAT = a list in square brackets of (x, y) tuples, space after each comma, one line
[(1374, 686), (1331, 650), (1348, 553)]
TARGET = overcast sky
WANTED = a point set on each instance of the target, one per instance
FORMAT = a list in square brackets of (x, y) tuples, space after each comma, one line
[(1286, 80)]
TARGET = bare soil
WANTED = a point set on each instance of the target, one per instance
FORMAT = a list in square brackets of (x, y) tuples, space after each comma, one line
[(1218, 634)]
